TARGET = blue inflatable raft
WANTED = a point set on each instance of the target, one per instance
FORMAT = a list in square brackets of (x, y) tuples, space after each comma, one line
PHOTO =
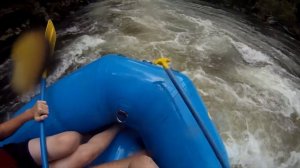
[(140, 95)]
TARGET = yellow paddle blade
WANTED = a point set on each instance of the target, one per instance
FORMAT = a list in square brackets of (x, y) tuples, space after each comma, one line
[(28, 54), (50, 34)]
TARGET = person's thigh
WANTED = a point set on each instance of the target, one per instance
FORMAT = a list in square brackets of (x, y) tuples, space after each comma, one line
[(87, 152), (142, 161), (58, 146), (138, 160)]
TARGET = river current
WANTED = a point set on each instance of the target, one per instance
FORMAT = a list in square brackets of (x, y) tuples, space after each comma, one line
[(246, 72)]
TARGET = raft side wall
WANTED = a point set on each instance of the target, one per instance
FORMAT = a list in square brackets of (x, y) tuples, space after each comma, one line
[(89, 98), (158, 113)]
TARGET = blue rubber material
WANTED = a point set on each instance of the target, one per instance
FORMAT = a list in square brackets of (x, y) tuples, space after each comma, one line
[(198, 119), (89, 99)]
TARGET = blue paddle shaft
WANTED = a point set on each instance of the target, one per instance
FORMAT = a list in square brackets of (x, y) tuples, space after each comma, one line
[(197, 118), (44, 153)]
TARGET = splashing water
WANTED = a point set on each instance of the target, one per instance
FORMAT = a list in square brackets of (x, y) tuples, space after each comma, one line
[(248, 79)]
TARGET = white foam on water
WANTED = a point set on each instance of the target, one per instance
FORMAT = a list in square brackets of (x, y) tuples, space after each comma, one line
[(69, 30), (78, 51), (6, 36), (266, 78), (128, 41), (283, 95), (247, 148), (206, 25), (4, 68), (293, 161), (221, 92), (213, 45), (149, 22), (82, 28), (249, 152), (251, 55)]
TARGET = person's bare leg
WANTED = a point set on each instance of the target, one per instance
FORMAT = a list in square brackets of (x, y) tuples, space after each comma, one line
[(87, 152), (143, 161), (139, 160), (58, 146), (123, 163)]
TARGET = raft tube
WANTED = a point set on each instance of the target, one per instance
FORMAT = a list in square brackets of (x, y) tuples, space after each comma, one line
[(141, 96)]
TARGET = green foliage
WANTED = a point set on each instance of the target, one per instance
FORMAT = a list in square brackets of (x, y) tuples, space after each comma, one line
[(239, 3), (283, 10), (287, 12)]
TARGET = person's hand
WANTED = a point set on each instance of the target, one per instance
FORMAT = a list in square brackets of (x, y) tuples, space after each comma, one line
[(40, 111)]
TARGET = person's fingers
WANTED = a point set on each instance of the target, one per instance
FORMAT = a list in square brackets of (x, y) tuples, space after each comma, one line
[(41, 118), (38, 119), (41, 102), (42, 109), (43, 105), (45, 109), (43, 112)]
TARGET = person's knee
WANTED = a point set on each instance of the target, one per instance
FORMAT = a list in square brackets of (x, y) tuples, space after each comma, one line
[(69, 140), (59, 146), (143, 161)]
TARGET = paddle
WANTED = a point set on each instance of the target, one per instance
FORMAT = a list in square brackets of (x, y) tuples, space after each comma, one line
[(31, 55), (50, 35)]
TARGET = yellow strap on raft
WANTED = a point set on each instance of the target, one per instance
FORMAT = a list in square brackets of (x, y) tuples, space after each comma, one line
[(164, 61)]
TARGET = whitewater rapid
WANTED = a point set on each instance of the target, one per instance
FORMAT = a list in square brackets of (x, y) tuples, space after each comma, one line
[(248, 75)]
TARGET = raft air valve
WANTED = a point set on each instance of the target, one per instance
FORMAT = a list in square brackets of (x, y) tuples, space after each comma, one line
[(121, 116)]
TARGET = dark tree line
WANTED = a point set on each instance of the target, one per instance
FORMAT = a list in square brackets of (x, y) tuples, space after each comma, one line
[(284, 12)]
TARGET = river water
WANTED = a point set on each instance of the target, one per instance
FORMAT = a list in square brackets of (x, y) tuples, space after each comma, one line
[(246, 72)]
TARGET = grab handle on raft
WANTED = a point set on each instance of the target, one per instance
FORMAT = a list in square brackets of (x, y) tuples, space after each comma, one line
[(164, 62)]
